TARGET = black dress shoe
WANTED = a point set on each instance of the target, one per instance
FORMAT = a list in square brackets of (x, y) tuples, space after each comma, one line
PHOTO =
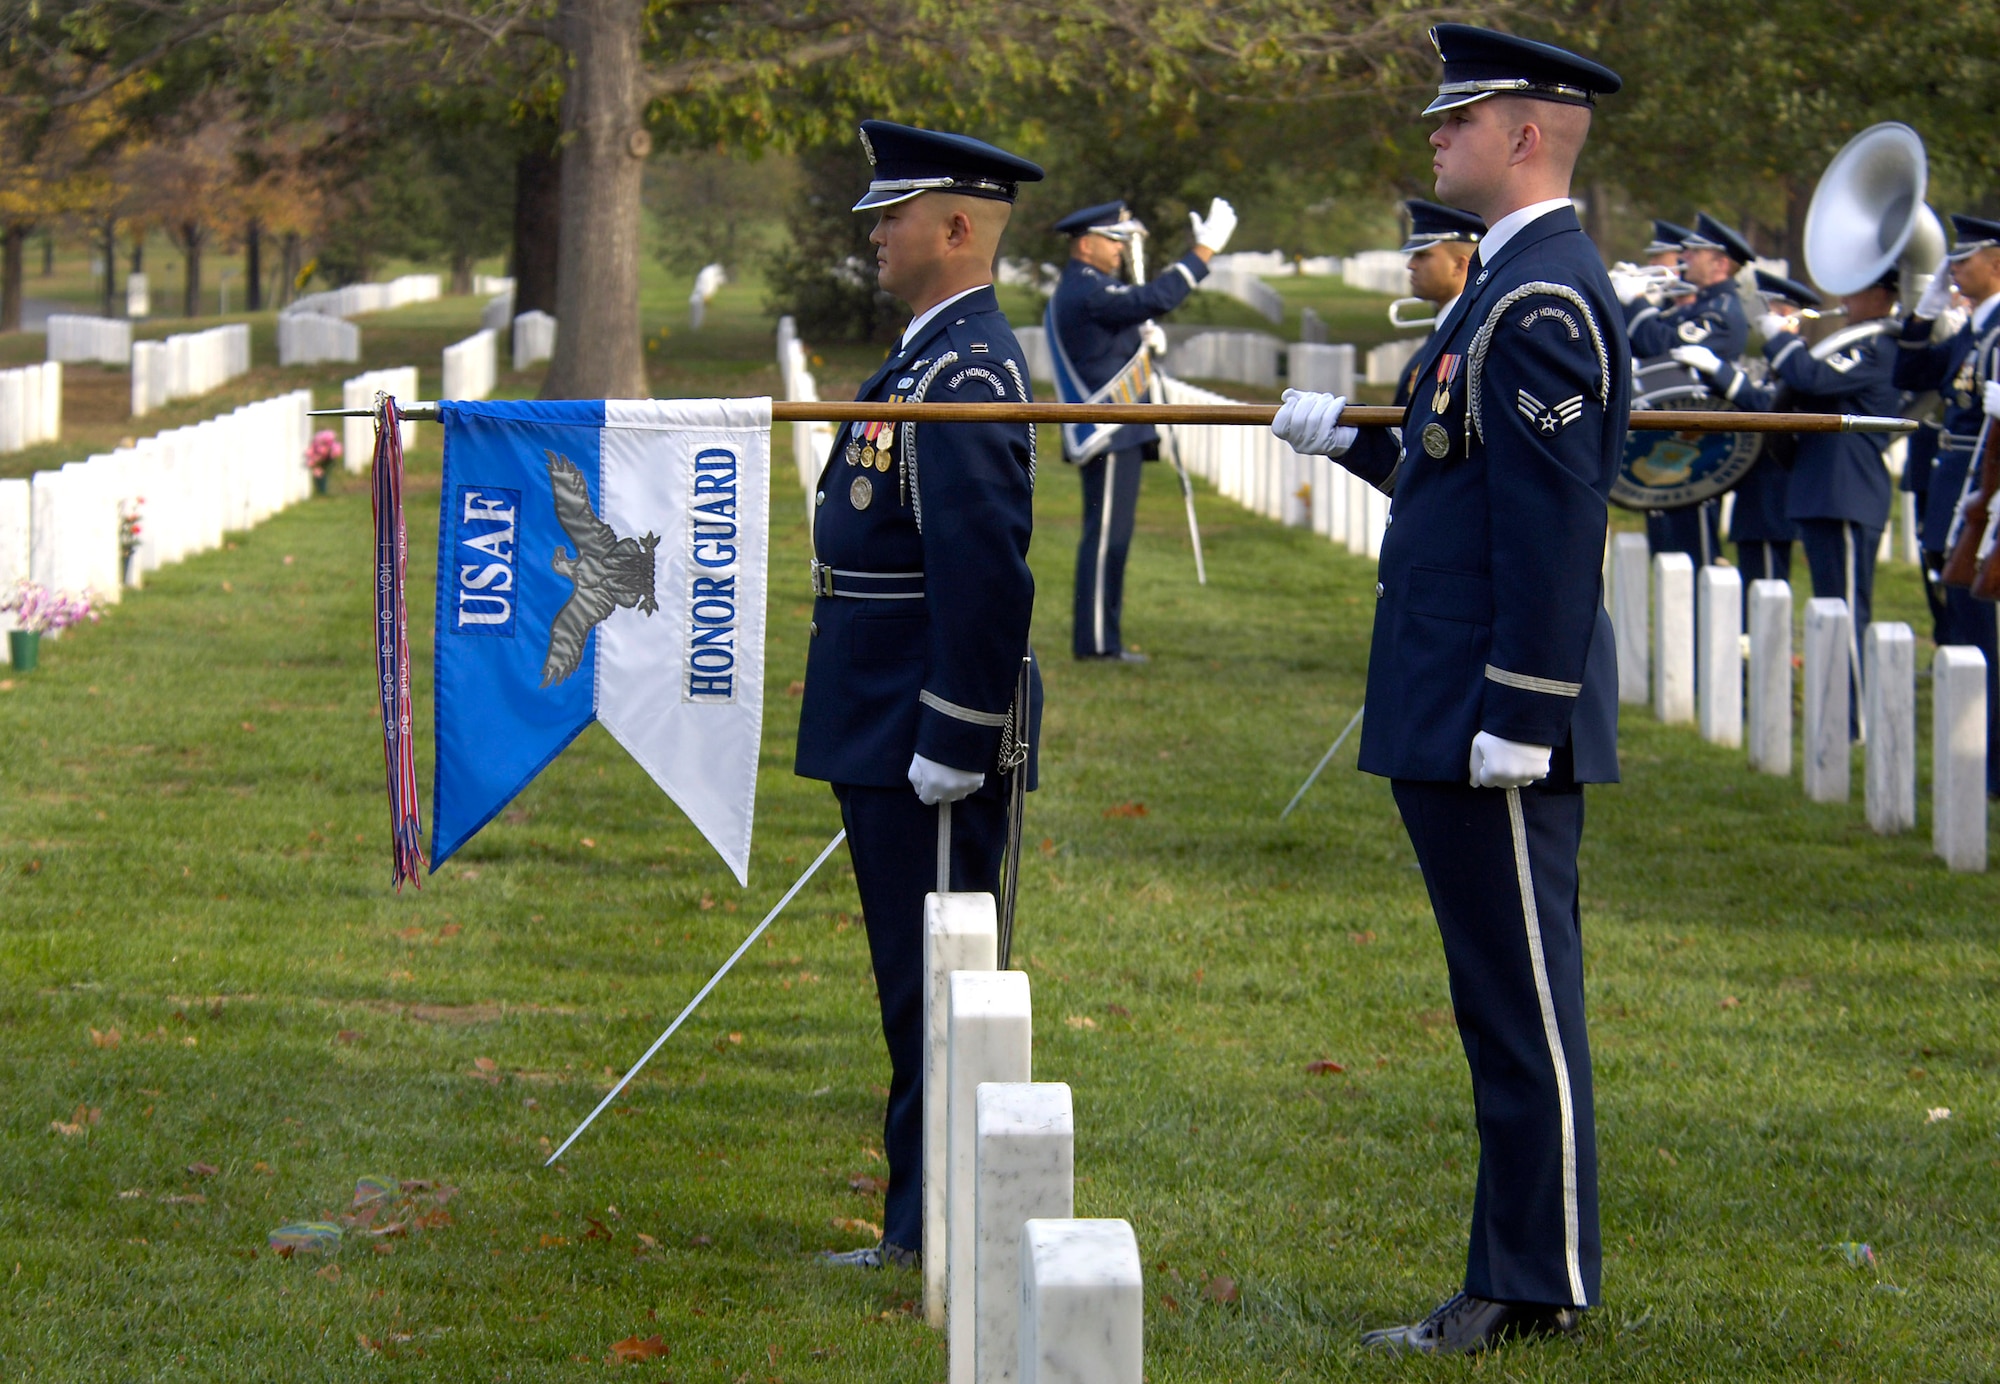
[(1463, 1324), (1122, 656), (882, 1256)]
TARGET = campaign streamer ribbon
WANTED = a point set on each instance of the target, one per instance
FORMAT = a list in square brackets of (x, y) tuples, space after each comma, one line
[(392, 646)]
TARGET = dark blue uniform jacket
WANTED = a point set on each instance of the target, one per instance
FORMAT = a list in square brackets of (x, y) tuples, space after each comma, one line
[(1098, 319), (1712, 318), (935, 675), (1836, 475), (1490, 612), (1955, 368)]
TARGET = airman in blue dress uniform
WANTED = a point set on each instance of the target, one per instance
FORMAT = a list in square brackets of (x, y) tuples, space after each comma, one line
[(1711, 256), (1964, 368), (1098, 325), (1440, 246), (1758, 524), (923, 598), (1492, 680)]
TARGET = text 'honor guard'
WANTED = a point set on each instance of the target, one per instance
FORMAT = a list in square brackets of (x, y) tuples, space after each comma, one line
[(1963, 366), (1492, 678), (918, 707), (1711, 256), (1102, 339)]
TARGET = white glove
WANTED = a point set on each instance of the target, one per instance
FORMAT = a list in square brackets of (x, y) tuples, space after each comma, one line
[(1153, 337), (940, 783), (1498, 763), (1310, 424), (1213, 233), (1699, 359), (1990, 397), (1937, 293), (1630, 288), (1771, 324)]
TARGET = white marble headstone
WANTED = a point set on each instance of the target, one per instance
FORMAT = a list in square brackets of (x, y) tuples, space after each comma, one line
[(1631, 604), (1771, 677), (1673, 638), (1958, 756), (1025, 1167), (961, 933), (1827, 666), (991, 1037), (1889, 667), (1719, 623), (1082, 1303)]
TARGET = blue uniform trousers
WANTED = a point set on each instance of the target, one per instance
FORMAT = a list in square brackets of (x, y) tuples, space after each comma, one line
[(892, 840), (1759, 561), (1110, 505), (1693, 529), (1501, 868), (1841, 554), (1971, 622)]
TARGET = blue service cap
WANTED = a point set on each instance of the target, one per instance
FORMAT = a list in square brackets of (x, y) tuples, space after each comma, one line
[(1431, 224), (1479, 63), (1791, 290), (1973, 233), (1710, 234), (1667, 238), (1106, 218), (908, 162)]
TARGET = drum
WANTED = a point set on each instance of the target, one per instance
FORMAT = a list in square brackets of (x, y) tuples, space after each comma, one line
[(1673, 470)]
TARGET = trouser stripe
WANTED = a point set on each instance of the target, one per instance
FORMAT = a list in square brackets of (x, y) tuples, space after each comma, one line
[(1553, 1034), (1103, 549)]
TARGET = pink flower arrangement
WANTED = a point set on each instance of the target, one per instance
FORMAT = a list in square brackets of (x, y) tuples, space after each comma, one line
[(323, 452), (42, 611)]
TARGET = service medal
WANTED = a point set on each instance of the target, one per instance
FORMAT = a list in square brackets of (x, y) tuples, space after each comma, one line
[(1447, 371), (881, 461), (862, 493), (854, 451), (1437, 442)]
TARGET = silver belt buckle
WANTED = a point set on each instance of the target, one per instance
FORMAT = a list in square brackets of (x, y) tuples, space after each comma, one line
[(822, 578)]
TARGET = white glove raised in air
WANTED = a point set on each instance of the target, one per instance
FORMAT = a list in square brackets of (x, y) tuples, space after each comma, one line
[(1310, 424), (1937, 294), (1990, 397), (1699, 359), (940, 783), (1631, 287), (1771, 324), (1153, 337), (1212, 233), (1498, 763)]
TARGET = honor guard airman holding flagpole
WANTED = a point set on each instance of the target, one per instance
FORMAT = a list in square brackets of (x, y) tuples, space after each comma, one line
[(914, 672), (1964, 368), (1711, 256), (1492, 678), (1440, 246), (1102, 336)]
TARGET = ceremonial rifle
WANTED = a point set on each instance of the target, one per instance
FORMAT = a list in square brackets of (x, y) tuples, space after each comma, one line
[(1970, 538), (1169, 446)]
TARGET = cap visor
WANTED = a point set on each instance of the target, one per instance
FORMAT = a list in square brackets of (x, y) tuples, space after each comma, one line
[(1966, 252), (1455, 100), (885, 198)]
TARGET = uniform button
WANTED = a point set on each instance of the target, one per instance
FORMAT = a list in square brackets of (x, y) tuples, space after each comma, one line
[(820, 498), (1378, 591), (813, 629), (1387, 520)]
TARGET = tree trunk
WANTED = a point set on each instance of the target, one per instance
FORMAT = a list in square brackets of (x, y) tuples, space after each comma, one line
[(290, 264), (191, 237), (139, 250), (537, 226), (598, 352), (13, 257), (1597, 209), (1798, 197), (111, 267), (461, 272), (48, 254), (253, 266)]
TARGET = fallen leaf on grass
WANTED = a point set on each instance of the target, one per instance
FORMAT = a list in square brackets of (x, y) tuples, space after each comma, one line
[(384, 1247), (1167, 1301), (202, 1170), (645, 1241), (1361, 939), (1126, 810), (1730, 1002), (1080, 1021), (632, 1348), (132, 1194), (596, 1231), (867, 1184), (185, 1199), (1667, 1157), (1324, 1066), (331, 1273), (453, 929), (347, 1035), (701, 1241), (109, 1039), (411, 934), (264, 1168), (1117, 1011), (485, 1064), (553, 1241), (80, 1119), (856, 1226), (1220, 1288), (1936, 1113)]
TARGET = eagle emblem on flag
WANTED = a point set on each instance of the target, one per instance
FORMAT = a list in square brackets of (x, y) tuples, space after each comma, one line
[(607, 571)]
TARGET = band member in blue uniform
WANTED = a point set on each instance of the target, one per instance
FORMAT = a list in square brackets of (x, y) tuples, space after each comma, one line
[(1102, 334), (1839, 491), (1963, 368), (1492, 680), (1440, 246), (1665, 248), (923, 596), (1758, 523), (1711, 256)]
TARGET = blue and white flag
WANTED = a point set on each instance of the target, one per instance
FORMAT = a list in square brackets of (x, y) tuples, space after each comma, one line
[(603, 561), (1084, 442)]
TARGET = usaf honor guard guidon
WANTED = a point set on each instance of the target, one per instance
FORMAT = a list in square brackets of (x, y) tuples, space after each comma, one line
[(1492, 679), (1964, 368), (923, 597), (1101, 334), (1440, 246)]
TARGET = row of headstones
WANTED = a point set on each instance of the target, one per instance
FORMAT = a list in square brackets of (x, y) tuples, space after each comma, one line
[(187, 365), (1244, 357), (534, 338), (81, 339), (1256, 470), (1026, 1292), (356, 300), (30, 405), (65, 529), (1247, 288), (307, 338), (1693, 671), (357, 441), (811, 442), (471, 366)]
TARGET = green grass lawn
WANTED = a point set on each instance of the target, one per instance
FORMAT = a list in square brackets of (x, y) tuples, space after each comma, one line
[(192, 858)]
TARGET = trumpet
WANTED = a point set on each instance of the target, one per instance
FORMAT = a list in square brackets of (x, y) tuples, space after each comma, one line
[(1662, 280), (1412, 323)]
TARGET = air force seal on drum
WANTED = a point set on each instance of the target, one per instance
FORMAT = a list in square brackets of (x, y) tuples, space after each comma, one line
[(1672, 470)]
